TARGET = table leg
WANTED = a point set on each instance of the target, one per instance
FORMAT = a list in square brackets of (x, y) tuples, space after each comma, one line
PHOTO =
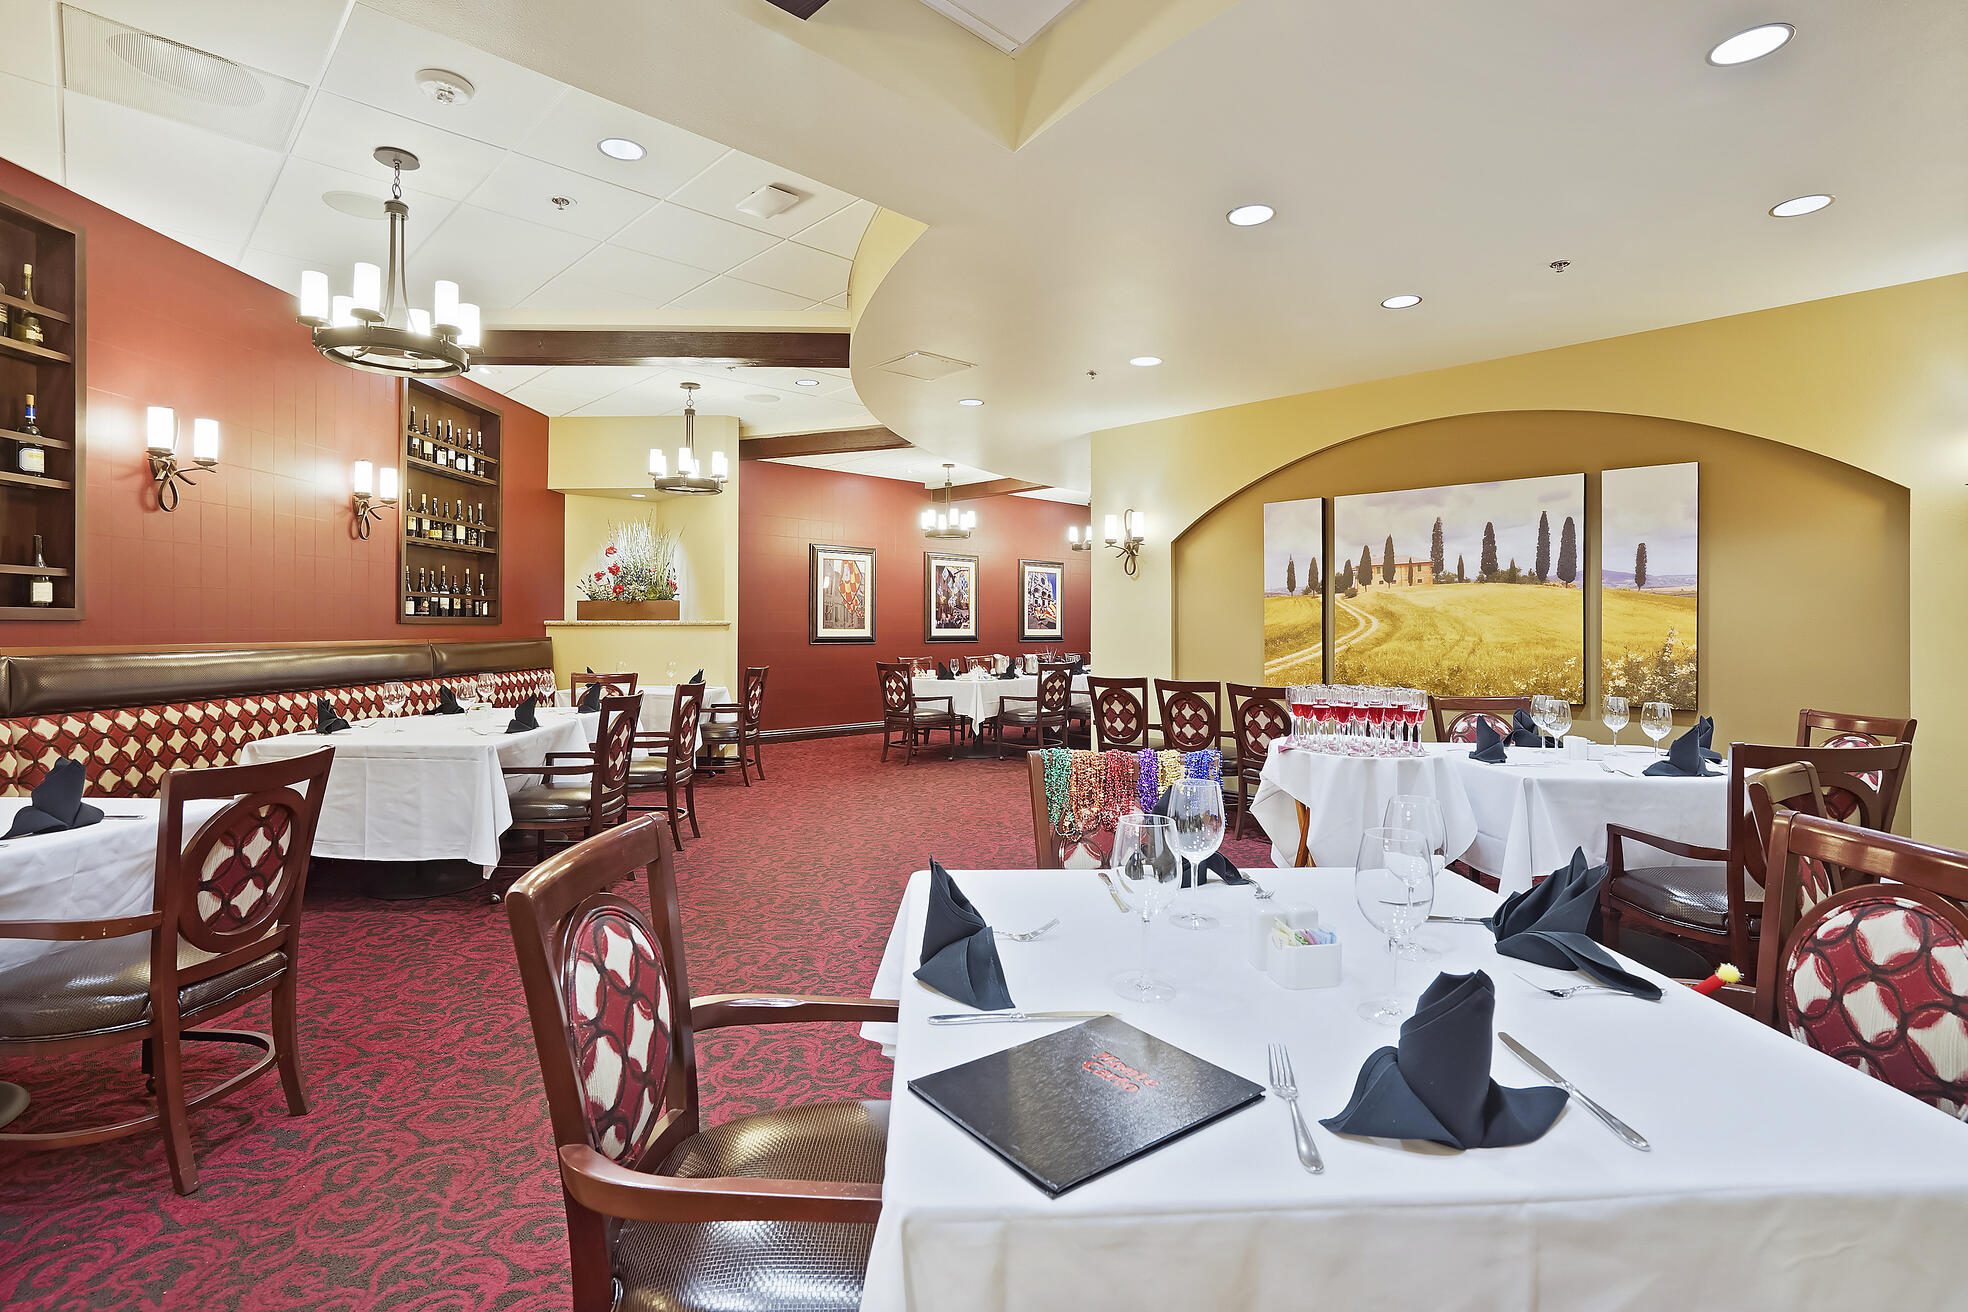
[(13, 1101), (1304, 857)]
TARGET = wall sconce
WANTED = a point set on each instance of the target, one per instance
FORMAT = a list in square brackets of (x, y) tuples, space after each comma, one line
[(161, 438), (374, 493), (1125, 534), (1074, 542)]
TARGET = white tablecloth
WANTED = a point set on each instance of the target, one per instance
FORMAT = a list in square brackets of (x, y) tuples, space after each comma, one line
[(99, 872), (1515, 821), (423, 787), (657, 702), (1778, 1178), (978, 700)]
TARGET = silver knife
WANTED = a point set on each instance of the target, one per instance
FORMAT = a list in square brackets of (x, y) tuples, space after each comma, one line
[(1627, 1133), (1113, 892), (1457, 920), (983, 1017)]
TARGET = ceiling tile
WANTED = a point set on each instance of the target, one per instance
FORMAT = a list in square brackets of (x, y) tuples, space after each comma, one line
[(27, 41), (840, 232), (1064, 495), (731, 294), (570, 135), (832, 382), (164, 173), (566, 389), (297, 222), (524, 188), (377, 60), (505, 377), (718, 189), (345, 133), (837, 302), (801, 270), (497, 261), (30, 125), (274, 269), (610, 277), (681, 234), (290, 38)]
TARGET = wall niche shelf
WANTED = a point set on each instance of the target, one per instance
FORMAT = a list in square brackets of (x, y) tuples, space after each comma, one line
[(449, 547), (43, 501)]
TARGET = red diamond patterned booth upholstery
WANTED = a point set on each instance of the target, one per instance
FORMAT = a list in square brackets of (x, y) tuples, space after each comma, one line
[(132, 717)]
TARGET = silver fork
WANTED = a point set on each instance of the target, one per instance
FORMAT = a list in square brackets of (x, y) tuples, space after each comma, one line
[(1285, 1086), (1029, 934), (1566, 992)]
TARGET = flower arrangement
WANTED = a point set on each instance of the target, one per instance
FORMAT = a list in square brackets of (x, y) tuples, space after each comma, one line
[(638, 564)]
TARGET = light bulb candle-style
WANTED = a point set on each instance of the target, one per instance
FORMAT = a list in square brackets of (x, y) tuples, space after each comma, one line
[(364, 494), (161, 441), (205, 442), (161, 429), (314, 298)]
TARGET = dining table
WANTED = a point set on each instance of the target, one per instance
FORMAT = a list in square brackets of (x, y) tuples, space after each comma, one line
[(1516, 820), (1769, 1164), (657, 700), (980, 700)]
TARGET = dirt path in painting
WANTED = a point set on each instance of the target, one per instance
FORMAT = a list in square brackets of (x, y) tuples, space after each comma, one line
[(1364, 625)]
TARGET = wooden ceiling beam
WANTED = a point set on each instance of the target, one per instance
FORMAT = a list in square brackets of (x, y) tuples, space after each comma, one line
[(658, 346), (836, 443), (997, 487)]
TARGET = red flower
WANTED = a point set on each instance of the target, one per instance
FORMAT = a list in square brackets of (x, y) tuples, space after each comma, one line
[(597, 575), (614, 569), (619, 589), (609, 552)]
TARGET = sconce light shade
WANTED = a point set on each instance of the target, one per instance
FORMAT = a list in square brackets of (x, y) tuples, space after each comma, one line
[(388, 489), (370, 497), (205, 441), (363, 477), (161, 428), (161, 437), (1113, 534)]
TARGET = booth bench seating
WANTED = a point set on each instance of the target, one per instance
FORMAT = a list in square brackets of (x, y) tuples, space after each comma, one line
[(133, 717)]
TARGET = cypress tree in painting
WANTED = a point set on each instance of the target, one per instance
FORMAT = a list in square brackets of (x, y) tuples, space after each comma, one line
[(1345, 581), (1640, 567), (1543, 566), (1435, 552), (1387, 560), (1568, 553), (1461, 576), (1312, 580), (1291, 576), (1486, 568), (1366, 566)]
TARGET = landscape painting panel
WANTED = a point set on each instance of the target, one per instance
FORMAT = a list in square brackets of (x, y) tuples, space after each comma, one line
[(1472, 590), (1294, 591), (1649, 521)]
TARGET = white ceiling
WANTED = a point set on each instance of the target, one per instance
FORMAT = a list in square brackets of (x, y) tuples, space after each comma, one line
[(904, 463), (1009, 25)]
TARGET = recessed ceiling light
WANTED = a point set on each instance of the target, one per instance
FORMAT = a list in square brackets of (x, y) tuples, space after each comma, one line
[(445, 87), (1401, 302), (1249, 216), (1145, 361), (1764, 39), (1790, 209), (970, 400), (638, 495), (621, 148), (806, 382)]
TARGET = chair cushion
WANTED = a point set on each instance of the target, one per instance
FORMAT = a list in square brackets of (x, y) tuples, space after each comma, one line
[(95, 988), (538, 802), (1694, 895), (648, 771), (743, 1266), (935, 718), (1026, 715), (720, 731)]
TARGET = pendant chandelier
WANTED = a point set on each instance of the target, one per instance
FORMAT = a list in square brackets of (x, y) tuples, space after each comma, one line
[(941, 520), (374, 328), (689, 478)]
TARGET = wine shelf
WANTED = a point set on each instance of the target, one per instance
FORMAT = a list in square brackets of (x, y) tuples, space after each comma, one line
[(435, 405), (456, 475), (46, 505)]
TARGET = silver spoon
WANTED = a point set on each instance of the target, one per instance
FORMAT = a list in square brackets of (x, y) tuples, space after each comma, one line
[(1029, 934)]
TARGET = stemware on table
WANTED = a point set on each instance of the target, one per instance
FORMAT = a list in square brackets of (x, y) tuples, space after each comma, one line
[(1144, 856), (1394, 885), (1558, 716), (1614, 713), (1657, 722), (1196, 808)]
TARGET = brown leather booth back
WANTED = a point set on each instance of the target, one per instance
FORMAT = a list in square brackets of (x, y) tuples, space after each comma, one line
[(478, 657)]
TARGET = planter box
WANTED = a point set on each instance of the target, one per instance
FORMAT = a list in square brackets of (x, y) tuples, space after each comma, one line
[(627, 610)]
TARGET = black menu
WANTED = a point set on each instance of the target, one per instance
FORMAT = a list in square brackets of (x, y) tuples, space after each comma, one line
[(1076, 1104)]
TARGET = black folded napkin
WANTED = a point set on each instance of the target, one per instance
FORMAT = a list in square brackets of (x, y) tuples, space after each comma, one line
[(447, 702), (1195, 876), (1684, 758), (56, 803), (1524, 731), (1490, 746), (1079, 667), (697, 677), (959, 952), (1553, 923), (525, 715), (591, 699), (942, 670), (1435, 1085), (1705, 734), (325, 719)]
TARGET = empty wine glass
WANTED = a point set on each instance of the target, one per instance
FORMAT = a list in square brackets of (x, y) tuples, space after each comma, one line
[(1558, 718), (1541, 714), (1394, 885), (1613, 714), (488, 690), (1145, 858), (1196, 807), (1657, 722), (670, 675), (394, 695)]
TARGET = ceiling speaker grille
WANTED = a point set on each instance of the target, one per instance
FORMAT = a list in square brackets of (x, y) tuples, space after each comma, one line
[(147, 72)]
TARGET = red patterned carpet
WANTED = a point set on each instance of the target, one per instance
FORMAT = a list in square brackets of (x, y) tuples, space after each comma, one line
[(422, 1178)]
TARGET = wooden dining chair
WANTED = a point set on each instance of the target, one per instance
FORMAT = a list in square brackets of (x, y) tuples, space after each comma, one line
[(224, 928), (1257, 716), (1843, 730), (913, 717), (1871, 971), (669, 762), (1456, 717), (920, 667), (1191, 714), (1120, 713), (771, 1210), (1713, 900), (577, 794), (1050, 708), (612, 685), (739, 734)]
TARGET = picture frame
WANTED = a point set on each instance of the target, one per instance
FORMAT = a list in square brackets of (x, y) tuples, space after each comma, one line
[(949, 597), (840, 592), (1041, 600)]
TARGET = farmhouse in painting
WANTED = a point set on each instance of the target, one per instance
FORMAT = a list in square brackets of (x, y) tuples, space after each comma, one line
[(1407, 573)]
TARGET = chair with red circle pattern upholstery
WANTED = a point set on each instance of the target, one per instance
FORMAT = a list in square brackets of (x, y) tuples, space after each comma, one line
[(1842, 730), (770, 1210), (1456, 717), (1257, 715), (223, 930)]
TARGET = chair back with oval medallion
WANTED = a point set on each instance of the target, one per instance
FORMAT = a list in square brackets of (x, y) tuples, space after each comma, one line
[(615, 735), (897, 694), (1257, 716), (1120, 711), (1055, 687), (612, 685), (234, 887), (1792, 788), (1842, 730), (1456, 718), (1875, 974), (1192, 714)]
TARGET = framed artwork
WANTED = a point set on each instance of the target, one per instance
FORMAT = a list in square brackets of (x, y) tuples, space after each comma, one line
[(949, 597), (1294, 591), (1472, 590), (1041, 600), (1649, 583), (840, 589)]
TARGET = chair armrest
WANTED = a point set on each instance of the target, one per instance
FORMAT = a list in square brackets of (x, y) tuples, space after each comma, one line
[(548, 768), (720, 1010), (569, 756), (80, 931), (601, 1185), (719, 708), (949, 702), (1617, 836)]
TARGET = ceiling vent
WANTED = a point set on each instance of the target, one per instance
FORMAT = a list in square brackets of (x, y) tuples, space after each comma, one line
[(769, 201), (147, 72), (923, 365)]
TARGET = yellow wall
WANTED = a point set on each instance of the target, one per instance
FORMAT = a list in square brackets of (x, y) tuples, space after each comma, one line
[(1765, 568), (1878, 380)]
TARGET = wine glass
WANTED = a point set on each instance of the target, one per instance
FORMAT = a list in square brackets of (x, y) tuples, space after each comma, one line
[(1541, 713), (1394, 884), (1299, 697), (1423, 815), (670, 676), (488, 691), (394, 696), (1145, 859), (1657, 722), (1613, 713), (1558, 717), (1196, 807)]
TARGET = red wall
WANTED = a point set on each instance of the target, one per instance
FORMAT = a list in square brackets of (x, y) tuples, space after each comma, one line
[(783, 508), (262, 550)]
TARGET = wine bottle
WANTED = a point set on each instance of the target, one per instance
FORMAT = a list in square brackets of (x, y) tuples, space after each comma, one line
[(6, 324), (27, 283), (423, 591), (409, 594), (30, 457), (41, 587)]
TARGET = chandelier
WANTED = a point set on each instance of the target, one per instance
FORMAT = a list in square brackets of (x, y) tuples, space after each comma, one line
[(374, 328), (941, 519), (689, 477)]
